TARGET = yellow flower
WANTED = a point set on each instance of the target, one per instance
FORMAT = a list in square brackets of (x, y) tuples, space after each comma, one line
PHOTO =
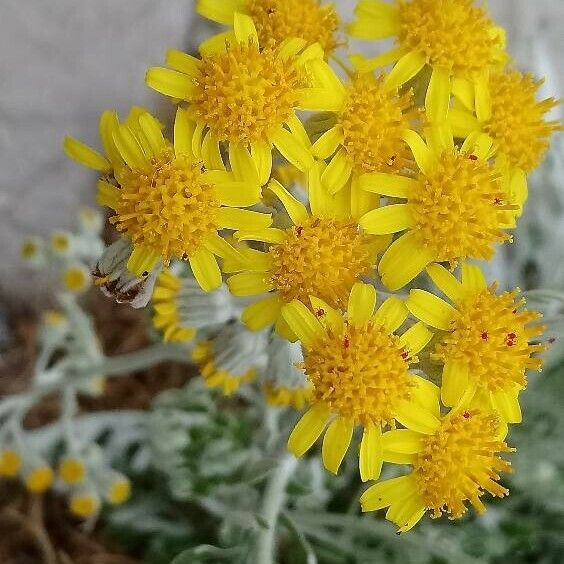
[(231, 104), (10, 463), (39, 479), (367, 136), (455, 208), (119, 491), (486, 342), (282, 396), (72, 470), (231, 358), (297, 260), (85, 504), (456, 39), (61, 243), (181, 307), (76, 279), (172, 200), (278, 20), (360, 373), (454, 463), (517, 124)]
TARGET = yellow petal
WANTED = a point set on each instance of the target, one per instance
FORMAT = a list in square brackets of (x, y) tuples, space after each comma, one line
[(403, 441), (211, 152), (249, 284), (371, 453), (170, 83), (86, 156), (387, 492), (404, 70), (216, 244), (152, 131), (483, 97), (243, 220), (388, 184), (130, 148), (366, 65), (183, 62), (417, 419), (506, 403), (362, 301), (328, 143), (416, 338), (220, 12), (142, 260), (387, 219), (422, 154), (262, 314), (403, 261), (269, 235), (463, 90), (238, 194), (454, 382), (184, 129), (302, 322), (462, 122), (473, 279), (437, 99), (262, 156), (242, 164), (391, 314), (308, 430), (431, 309), (426, 394), (375, 20), (338, 172), (206, 270), (107, 194), (336, 442), (446, 282), (296, 210), (328, 316), (244, 28), (292, 150), (109, 123), (319, 100)]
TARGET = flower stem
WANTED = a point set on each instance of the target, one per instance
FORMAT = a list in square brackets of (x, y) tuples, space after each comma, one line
[(272, 505)]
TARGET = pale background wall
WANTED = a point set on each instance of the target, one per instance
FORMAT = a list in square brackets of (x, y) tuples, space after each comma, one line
[(64, 61)]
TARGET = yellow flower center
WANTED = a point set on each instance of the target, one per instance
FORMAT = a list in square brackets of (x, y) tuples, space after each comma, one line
[(169, 208), (452, 34), (459, 463), (246, 93), (84, 505), (517, 122), (491, 337), (322, 258), (361, 373), (373, 121), (72, 471), (119, 492), (39, 480), (10, 463), (284, 19), (75, 279), (458, 207)]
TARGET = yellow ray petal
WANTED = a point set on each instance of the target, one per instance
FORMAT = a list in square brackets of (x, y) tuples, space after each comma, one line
[(446, 282), (85, 155), (292, 150), (371, 453), (338, 172), (184, 129), (431, 309), (404, 70), (336, 442), (473, 279), (206, 270), (244, 28), (262, 314), (296, 210), (328, 143), (385, 493), (302, 322), (422, 154), (262, 156), (183, 62), (246, 284), (242, 164), (437, 99), (308, 430), (170, 83), (387, 184), (243, 220), (419, 420), (416, 338), (454, 382), (362, 301), (387, 219), (391, 314), (220, 12)]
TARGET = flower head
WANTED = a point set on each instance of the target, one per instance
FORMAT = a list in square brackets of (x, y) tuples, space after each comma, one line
[(278, 20), (10, 463), (171, 200), (456, 207), (296, 261), (453, 464), (230, 358), (359, 369), (84, 504), (487, 342), (76, 279), (39, 479), (230, 104), (368, 130), (72, 470), (119, 491), (456, 39), (181, 307)]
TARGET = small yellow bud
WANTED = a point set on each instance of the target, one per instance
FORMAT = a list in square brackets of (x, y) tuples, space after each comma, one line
[(84, 505), (10, 463), (39, 479), (120, 491), (76, 279), (72, 471)]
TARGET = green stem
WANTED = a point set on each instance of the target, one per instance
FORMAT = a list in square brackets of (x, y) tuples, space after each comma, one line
[(273, 503)]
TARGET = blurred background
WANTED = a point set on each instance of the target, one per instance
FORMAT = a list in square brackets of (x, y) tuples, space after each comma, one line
[(62, 62)]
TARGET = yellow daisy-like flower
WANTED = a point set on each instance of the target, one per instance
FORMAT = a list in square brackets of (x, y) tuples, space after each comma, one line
[(76, 278), (367, 136), (455, 38), (456, 207), (517, 124), (278, 20), (216, 376), (171, 200), (323, 253), (486, 346), (454, 463), (243, 92), (360, 373)]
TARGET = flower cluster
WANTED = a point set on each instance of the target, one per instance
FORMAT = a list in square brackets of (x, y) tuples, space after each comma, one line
[(410, 163)]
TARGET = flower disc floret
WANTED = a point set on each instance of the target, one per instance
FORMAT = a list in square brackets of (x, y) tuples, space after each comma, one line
[(460, 462), (320, 257), (360, 373), (452, 34), (373, 120), (168, 207), (246, 93), (457, 208)]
